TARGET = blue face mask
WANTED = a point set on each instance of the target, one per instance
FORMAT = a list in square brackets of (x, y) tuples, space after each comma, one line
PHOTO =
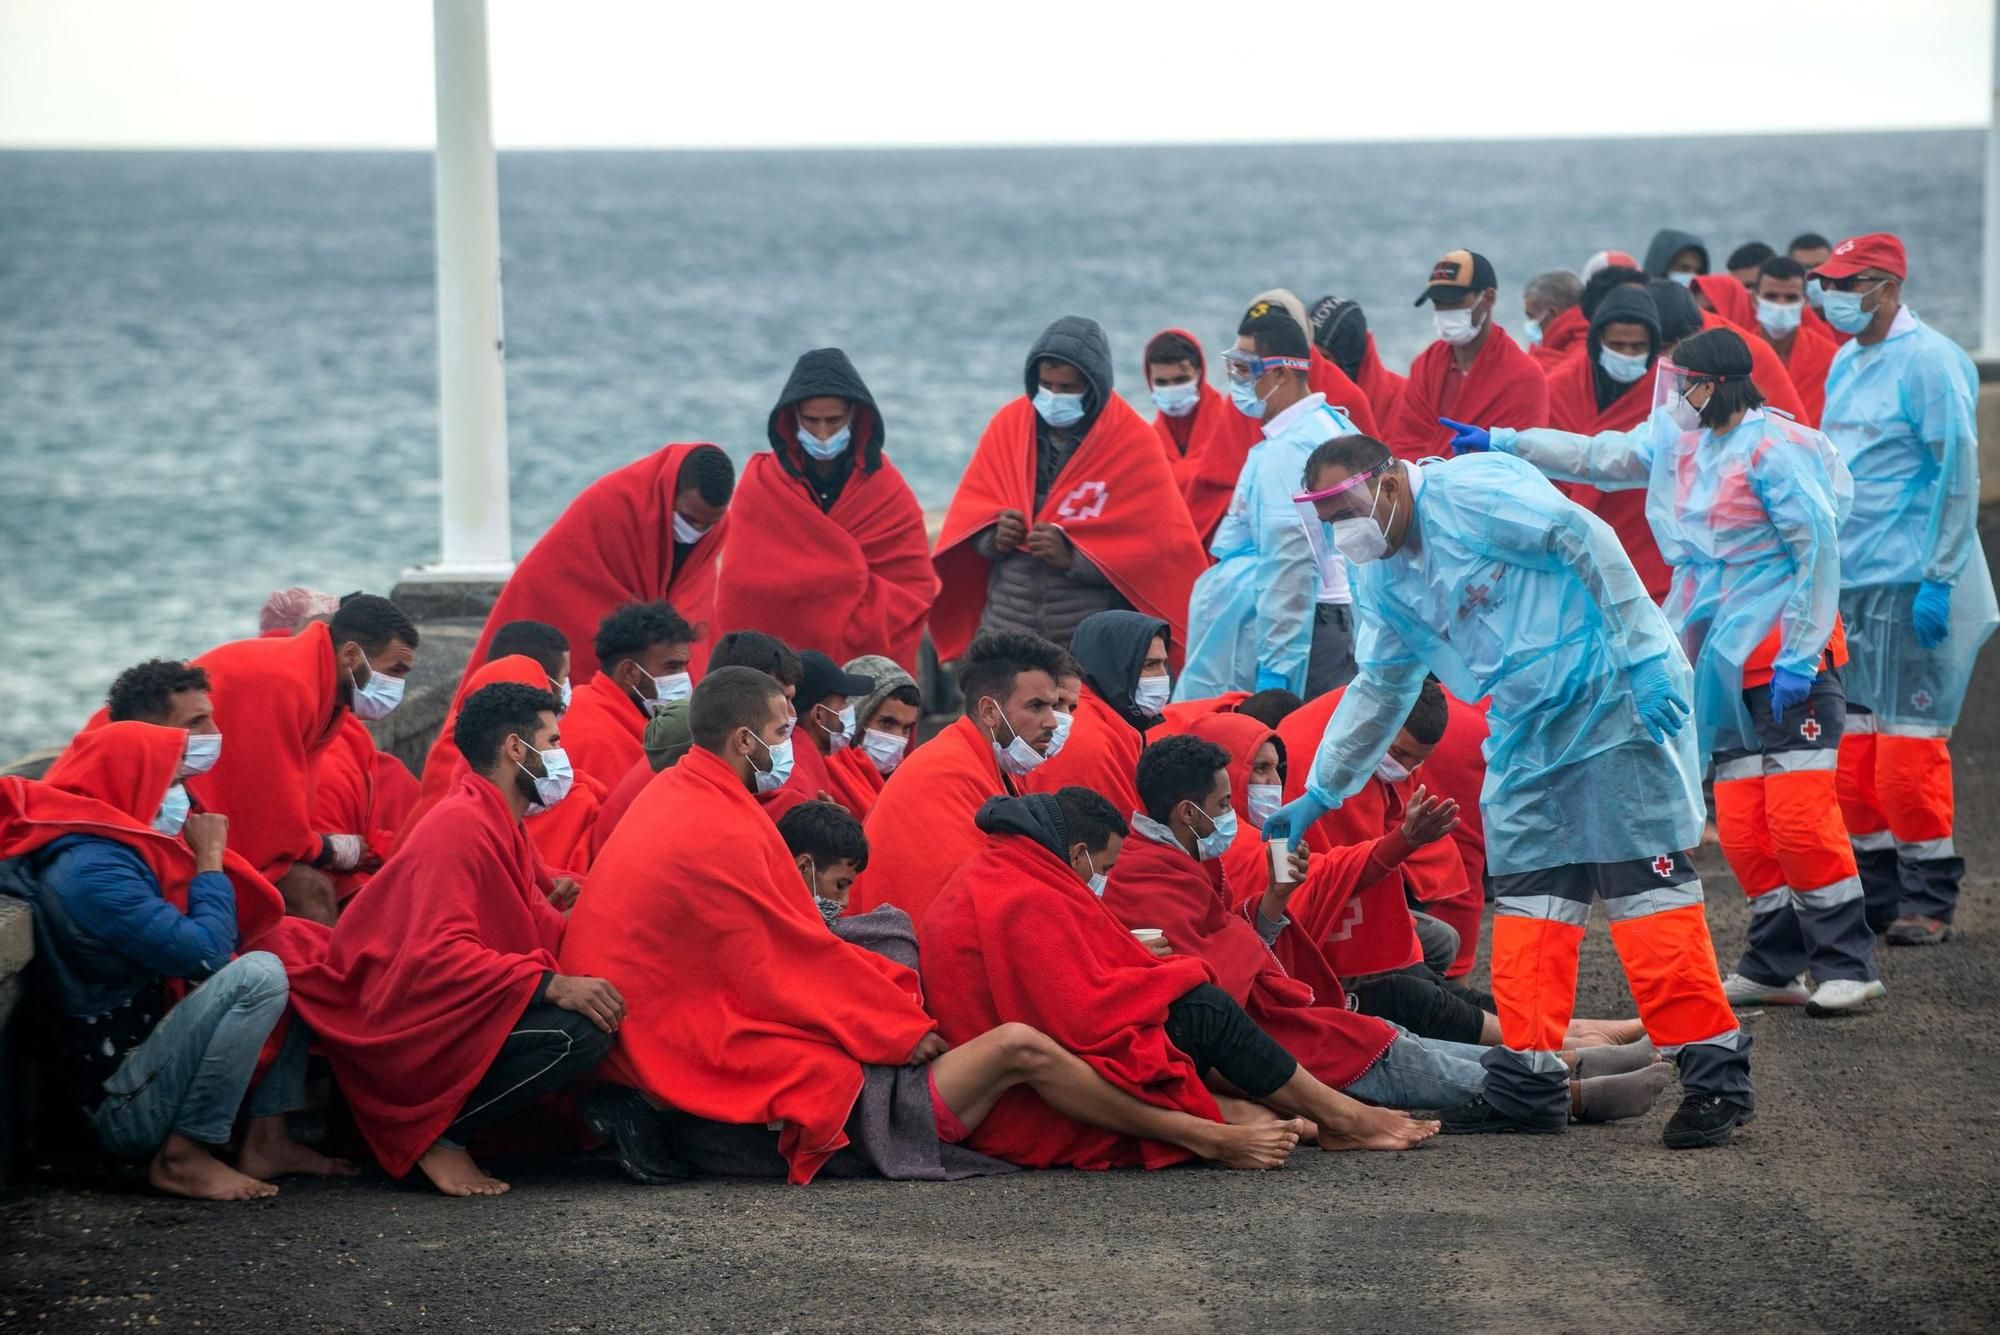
[(1531, 330), (1815, 294), (1682, 276), (1843, 311), (1620, 367), (1059, 410), (831, 448), (1177, 400), (1243, 393)]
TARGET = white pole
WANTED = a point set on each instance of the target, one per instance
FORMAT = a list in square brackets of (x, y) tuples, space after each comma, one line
[(472, 387), (1990, 325)]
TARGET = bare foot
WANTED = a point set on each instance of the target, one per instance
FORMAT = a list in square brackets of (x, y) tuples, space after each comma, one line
[(269, 1151), (183, 1168), (1256, 1145), (1242, 1112), (1591, 1033), (1366, 1128), (453, 1172)]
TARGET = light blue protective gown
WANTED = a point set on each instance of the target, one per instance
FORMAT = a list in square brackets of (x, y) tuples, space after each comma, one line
[(1903, 415), (1254, 607), (1750, 523), (1511, 590)]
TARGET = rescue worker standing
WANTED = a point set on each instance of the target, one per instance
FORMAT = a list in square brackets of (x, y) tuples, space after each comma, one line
[(1746, 506), (1478, 569)]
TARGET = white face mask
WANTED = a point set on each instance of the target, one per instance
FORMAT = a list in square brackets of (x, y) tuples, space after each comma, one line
[(1683, 277), (685, 530), (173, 811), (552, 785), (1621, 366), (1457, 328), (1361, 539), (674, 686), (885, 750), (1779, 318), (1018, 756), (836, 737), (1262, 800), (1151, 696), (376, 697), (1096, 881), (1391, 772), (1683, 414), (780, 773), (1057, 742), (203, 750), (562, 693)]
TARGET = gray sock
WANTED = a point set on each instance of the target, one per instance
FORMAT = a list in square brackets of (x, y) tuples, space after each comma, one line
[(1610, 1098), (1614, 1059)]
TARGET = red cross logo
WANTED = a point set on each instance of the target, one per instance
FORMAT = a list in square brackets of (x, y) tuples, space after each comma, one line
[(1810, 730), (1663, 866), (1921, 701), (1085, 502)]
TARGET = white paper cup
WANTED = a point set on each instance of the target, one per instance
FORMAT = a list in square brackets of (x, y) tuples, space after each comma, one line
[(1281, 861), (1148, 935)]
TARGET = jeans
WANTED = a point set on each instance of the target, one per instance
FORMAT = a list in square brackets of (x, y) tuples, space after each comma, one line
[(1422, 1073), (190, 1074)]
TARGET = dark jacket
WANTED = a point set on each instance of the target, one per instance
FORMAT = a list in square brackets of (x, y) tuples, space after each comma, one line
[(1038, 816), (1669, 242), (827, 373), (1679, 317), (1621, 305), (1111, 646)]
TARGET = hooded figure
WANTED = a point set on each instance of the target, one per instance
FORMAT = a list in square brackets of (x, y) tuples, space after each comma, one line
[(1625, 305), (1105, 740), (1112, 646), (850, 572), (1669, 242), (1053, 523), (1340, 330)]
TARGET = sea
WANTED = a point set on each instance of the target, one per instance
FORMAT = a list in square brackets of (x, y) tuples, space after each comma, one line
[(218, 370)]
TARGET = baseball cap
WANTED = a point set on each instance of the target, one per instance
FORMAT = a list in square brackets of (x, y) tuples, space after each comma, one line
[(823, 677), (1872, 250), (1456, 273)]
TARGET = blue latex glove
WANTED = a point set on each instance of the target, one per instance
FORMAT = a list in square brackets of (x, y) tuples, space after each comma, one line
[(1931, 614), (1268, 680), (1467, 439), (1660, 706), (1788, 690), (1291, 821)]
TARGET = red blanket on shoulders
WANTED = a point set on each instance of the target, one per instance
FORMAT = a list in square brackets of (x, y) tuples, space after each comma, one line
[(741, 1006), (1115, 500), (1182, 715), (1561, 337), (1810, 359), (1573, 407), (1016, 937), (1383, 387), (604, 730), (1156, 886), (853, 580), (1102, 754), (357, 789), (1504, 388), (1342, 392), (1457, 770), (614, 545), (431, 965), (853, 781), (1767, 368), (921, 829)]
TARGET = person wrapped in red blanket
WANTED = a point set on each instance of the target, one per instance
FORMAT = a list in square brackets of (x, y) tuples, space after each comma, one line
[(1554, 322), (1806, 351), (645, 654), (437, 999), (1124, 688), (1187, 405), (855, 574), (1473, 367), (649, 532), (885, 728), (1340, 330), (1067, 508), (1018, 936)]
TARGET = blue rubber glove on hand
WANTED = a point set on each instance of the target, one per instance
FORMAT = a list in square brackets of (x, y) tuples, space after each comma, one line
[(1789, 689), (1291, 821), (1268, 680), (1660, 706), (1931, 614), (1467, 439)]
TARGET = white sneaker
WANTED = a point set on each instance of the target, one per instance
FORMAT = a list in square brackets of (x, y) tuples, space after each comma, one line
[(1844, 994), (1743, 991)]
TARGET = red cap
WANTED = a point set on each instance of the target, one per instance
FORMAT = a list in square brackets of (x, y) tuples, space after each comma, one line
[(1875, 250)]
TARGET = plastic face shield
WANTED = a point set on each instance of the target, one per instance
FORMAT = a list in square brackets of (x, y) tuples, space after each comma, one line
[(1350, 498)]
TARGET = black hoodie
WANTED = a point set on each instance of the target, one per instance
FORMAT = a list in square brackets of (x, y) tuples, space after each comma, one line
[(1111, 646), (827, 373), (1669, 242), (1679, 316), (1621, 305), (1340, 330), (1081, 343), (1038, 816)]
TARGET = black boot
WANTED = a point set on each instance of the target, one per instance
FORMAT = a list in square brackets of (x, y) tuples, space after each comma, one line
[(1703, 1120), (632, 1128)]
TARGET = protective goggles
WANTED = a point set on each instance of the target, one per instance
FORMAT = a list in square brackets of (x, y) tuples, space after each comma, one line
[(1346, 499), (1250, 368)]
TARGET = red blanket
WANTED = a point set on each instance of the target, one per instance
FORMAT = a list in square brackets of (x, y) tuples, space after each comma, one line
[(1177, 433), (1383, 387), (1341, 392), (1115, 499), (357, 789), (1810, 359), (275, 703), (854, 580), (617, 802), (1102, 754), (1457, 770), (1182, 715), (853, 781), (1504, 388), (1561, 337), (414, 991), (109, 784), (1767, 368), (921, 829), (742, 1006), (1157, 886), (1016, 937), (1573, 407), (603, 730), (614, 545)]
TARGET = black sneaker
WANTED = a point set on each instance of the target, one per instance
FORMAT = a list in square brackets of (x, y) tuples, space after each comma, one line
[(1703, 1120), (631, 1127), (1480, 1118)]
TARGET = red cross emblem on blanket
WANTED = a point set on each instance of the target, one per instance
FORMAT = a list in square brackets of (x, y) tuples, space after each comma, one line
[(1085, 502), (1810, 730), (1921, 701), (1663, 866)]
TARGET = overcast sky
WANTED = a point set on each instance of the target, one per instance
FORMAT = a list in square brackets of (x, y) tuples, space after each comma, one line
[(670, 73)]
